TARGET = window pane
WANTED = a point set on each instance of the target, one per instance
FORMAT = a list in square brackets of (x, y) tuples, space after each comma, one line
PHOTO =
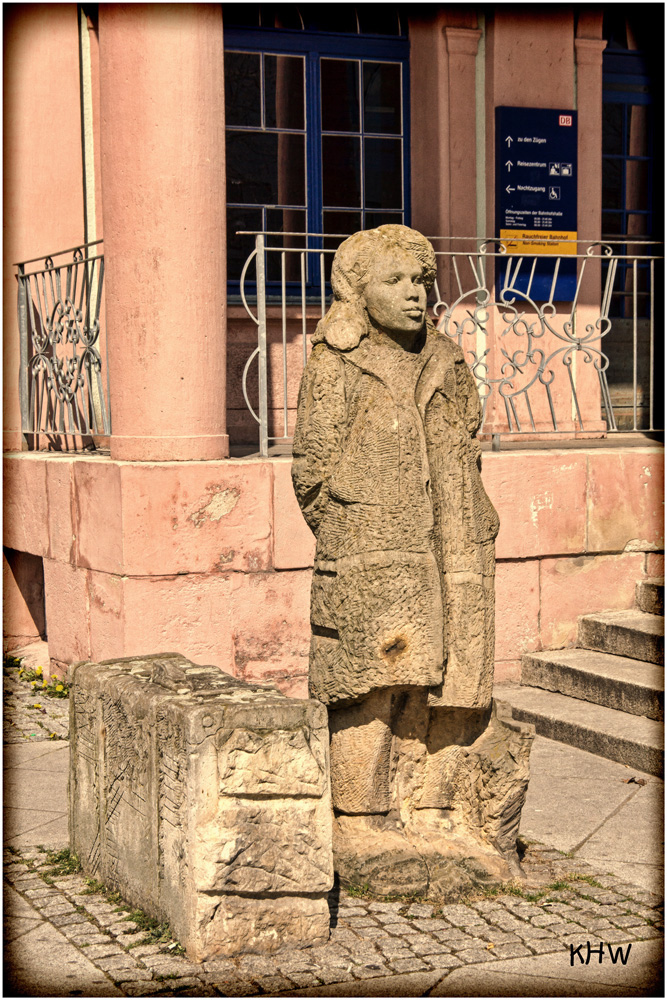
[(378, 19), (611, 224), (612, 129), (279, 16), (636, 185), (285, 220), (612, 191), (341, 171), (241, 15), (242, 88), (375, 219), (329, 17), (340, 95), (638, 130), (383, 174), (382, 97), (283, 92), (265, 168), (342, 224), (239, 248)]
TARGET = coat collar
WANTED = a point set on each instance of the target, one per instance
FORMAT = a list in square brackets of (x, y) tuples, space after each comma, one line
[(436, 360)]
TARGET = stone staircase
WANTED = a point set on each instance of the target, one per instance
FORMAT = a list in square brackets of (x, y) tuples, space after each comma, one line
[(605, 696)]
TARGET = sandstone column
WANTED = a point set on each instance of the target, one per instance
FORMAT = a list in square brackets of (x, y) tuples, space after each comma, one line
[(163, 181)]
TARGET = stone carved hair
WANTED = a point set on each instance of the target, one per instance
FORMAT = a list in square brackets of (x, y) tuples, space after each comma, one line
[(346, 321)]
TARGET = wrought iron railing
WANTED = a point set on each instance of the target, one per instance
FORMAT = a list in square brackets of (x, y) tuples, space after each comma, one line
[(62, 373), (585, 366)]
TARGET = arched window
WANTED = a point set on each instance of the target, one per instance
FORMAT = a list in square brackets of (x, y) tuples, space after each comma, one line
[(317, 122)]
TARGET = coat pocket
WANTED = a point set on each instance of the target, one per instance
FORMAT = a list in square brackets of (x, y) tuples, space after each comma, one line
[(367, 471)]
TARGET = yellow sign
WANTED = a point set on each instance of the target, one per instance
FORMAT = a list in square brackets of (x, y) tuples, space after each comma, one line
[(538, 241)]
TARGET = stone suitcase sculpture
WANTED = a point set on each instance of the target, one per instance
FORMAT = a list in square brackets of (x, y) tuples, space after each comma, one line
[(428, 776), (204, 800)]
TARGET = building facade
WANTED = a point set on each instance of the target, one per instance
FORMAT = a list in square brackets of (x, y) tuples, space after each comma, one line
[(161, 523)]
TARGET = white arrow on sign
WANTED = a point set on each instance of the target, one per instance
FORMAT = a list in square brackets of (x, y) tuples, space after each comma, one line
[(509, 140), (509, 164), (509, 189)]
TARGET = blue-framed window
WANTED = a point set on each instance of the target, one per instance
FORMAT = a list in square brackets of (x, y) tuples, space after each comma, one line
[(631, 144), (317, 125)]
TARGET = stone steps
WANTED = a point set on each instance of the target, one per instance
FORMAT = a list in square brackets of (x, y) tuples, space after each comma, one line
[(627, 739), (650, 596), (606, 696), (633, 633), (617, 682)]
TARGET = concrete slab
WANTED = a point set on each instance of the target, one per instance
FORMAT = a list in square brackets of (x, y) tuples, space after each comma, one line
[(14, 905), (631, 842), (27, 827), (556, 770), (409, 984), (553, 975), (44, 753), (15, 927), (44, 963), (43, 786)]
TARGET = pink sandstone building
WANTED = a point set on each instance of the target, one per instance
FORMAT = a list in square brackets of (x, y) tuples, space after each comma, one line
[(167, 520)]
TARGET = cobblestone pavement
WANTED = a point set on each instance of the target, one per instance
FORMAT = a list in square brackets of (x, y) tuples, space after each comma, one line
[(562, 901), (28, 713), (368, 939)]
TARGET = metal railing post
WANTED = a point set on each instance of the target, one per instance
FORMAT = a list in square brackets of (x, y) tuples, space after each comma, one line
[(261, 343), (24, 391)]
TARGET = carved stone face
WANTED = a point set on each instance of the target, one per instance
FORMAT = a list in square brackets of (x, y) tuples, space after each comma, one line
[(394, 294)]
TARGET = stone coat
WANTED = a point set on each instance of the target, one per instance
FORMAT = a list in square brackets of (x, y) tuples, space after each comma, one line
[(386, 471)]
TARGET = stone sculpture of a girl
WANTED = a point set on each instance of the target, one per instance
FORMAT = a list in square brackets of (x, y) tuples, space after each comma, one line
[(427, 779)]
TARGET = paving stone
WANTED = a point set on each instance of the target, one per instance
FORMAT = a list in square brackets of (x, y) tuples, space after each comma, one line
[(84, 934), (628, 920), (420, 910), (215, 966), (455, 939), (332, 975), (431, 924), (58, 908), (530, 933), (474, 955), (95, 951), (114, 963), (234, 988), (376, 907), (371, 970), (387, 919), (254, 965), (646, 933), (382, 933), (460, 916), (145, 949), (392, 946), (168, 965), (358, 923), (272, 984), (67, 919), (429, 947), (352, 911), (411, 964), (441, 961), (304, 979), (344, 936), (140, 988), (517, 950)]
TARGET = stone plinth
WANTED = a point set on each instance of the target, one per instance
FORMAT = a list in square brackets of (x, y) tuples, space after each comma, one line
[(204, 800)]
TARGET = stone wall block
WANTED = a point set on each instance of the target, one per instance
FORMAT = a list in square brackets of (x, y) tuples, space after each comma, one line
[(625, 502), (24, 505), (204, 800), (196, 517)]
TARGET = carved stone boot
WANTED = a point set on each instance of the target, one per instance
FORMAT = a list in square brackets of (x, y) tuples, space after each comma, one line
[(373, 853)]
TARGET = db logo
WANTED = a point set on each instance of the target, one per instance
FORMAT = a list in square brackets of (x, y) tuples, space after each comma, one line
[(565, 119)]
